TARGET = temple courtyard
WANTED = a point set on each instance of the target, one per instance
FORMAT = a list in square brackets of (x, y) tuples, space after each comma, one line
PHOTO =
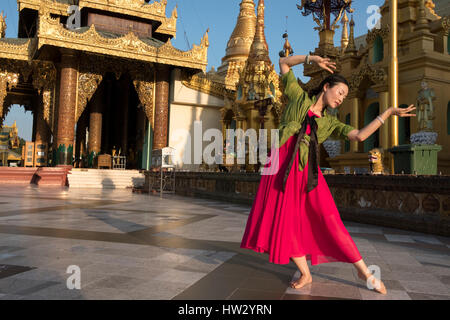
[(121, 245)]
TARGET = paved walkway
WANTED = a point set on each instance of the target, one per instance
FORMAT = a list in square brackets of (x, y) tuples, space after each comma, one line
[(132, 246)]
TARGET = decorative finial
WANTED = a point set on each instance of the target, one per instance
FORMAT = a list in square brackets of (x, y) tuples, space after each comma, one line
[(344, 38), (287, 48)]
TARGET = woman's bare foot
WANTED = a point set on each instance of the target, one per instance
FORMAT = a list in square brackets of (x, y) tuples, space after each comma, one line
[(301, 282), (377, 285)]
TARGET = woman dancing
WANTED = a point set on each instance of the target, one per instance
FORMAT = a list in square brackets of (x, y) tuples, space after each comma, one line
[(294, 215)]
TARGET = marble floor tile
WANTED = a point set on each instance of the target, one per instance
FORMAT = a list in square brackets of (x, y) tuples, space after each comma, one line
[(427, 287), (179, 276), (338, 291), (399, 238), (391, 295)]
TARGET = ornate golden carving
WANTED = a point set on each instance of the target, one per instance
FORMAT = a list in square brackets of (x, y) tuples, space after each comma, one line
[(205, 84), (144, 90), (8, 80), (169, 25), (21, 50), (54, 6), (44, 80), (50, 32), (87, 85), (144, 83), (374, 33), (377, 76)]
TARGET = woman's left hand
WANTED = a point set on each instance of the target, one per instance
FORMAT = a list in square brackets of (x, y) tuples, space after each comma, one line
[(403, 112), (324, 63)]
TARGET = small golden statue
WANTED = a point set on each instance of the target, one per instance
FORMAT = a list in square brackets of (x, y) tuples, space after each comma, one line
[(2, 25), (376, 161)]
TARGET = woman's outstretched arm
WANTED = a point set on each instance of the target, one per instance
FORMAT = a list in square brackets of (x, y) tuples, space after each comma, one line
[(367, 131), (287, 62)]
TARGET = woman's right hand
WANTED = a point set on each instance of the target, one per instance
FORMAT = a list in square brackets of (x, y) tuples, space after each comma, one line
[(324, 63)]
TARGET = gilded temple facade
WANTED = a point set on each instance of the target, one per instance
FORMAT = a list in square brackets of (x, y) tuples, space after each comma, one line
[(97, 76), (423, 56)]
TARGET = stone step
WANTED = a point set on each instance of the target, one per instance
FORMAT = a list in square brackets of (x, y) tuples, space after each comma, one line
[(96, 186), (105, 171), (105, 176), (99, 182), (105, 179)]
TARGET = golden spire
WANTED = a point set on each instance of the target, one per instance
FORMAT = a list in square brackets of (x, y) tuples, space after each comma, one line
[(259, 80), (259, 50), (351, 47), (238, 47), (344, 38)]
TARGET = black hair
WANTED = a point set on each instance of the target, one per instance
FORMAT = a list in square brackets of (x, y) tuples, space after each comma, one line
[(333, 80)]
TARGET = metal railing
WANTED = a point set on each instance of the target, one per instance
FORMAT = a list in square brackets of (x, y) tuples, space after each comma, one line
[(119, 162)]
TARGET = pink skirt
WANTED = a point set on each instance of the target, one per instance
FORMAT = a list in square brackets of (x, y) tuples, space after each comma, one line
[(295, 223)]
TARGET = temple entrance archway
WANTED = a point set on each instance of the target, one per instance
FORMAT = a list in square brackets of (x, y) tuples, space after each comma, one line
[(114, 122)]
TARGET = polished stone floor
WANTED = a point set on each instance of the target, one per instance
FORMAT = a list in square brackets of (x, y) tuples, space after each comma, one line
[(134, 246)]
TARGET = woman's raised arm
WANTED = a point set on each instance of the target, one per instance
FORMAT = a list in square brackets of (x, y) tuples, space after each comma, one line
[(287, 62), (367, 131)]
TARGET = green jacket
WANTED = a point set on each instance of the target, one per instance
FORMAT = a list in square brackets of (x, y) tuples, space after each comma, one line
[(295, 112)]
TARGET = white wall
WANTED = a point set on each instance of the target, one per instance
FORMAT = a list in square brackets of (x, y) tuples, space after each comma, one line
[(186, 107)]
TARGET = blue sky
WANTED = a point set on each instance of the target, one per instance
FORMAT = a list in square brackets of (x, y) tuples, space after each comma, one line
[(195, 16)]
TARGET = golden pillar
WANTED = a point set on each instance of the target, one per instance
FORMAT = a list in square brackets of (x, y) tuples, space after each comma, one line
[(80, 147), (66, 108), (161, 107), (393, 75), (384, 130), (95, 123), (355, 121)]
